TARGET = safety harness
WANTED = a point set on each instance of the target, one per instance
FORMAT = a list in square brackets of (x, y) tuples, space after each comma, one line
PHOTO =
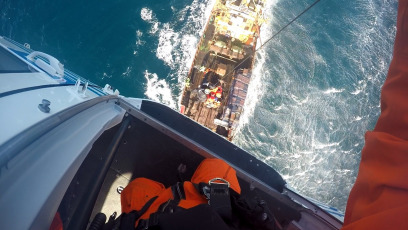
[(217, 192), (226, 209)]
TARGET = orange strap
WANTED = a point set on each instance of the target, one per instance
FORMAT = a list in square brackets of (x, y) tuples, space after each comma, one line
[(57, 222)]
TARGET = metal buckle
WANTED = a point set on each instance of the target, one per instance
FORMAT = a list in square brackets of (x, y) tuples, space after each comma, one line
[(213, 181), (206, 191)]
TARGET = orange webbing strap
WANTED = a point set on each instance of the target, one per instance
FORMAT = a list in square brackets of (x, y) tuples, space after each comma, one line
[(379, 198)]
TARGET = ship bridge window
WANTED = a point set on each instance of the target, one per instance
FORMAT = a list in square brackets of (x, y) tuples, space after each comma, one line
[(11, 64)]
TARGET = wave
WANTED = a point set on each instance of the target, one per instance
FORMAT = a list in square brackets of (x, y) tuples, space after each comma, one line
[(167, 39), (146, 14), (333, 90)]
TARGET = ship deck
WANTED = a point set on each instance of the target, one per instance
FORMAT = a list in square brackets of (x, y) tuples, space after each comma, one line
[(216, 61)]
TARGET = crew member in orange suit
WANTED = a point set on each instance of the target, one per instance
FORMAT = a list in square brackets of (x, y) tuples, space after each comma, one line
[(379, 198), (141, 190)]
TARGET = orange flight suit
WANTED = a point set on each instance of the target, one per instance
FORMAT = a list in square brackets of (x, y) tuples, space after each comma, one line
[(57, 222), (141, 190), (379, 198)]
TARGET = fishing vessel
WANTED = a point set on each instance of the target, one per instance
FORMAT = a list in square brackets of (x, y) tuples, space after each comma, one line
[(217, 83), (68, 148)]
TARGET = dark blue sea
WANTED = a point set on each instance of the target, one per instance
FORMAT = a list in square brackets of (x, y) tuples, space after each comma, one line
[(315, 89)]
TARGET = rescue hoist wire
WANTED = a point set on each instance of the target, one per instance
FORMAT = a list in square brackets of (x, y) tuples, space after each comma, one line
[(293, 20), (277, 33)]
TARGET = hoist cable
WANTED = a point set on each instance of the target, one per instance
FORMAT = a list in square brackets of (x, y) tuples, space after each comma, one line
[(277, 33), (293, 20)]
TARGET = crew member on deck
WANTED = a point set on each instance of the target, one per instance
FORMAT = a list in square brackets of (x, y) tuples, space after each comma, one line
[(218, 92), (210, 98)]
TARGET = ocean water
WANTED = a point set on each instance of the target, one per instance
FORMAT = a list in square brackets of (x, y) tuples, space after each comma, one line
[(315, 89)]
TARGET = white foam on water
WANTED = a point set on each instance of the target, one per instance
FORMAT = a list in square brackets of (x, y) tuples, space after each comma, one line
[(127, 71), (333, 90), (155, 28), (139, 39), (324, 146), (105, 75), (158, 90), (146, 14), (176, 50), (299, 101), (167, 39)]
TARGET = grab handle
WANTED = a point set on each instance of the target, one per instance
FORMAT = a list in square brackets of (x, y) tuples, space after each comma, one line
[(55, 67)]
